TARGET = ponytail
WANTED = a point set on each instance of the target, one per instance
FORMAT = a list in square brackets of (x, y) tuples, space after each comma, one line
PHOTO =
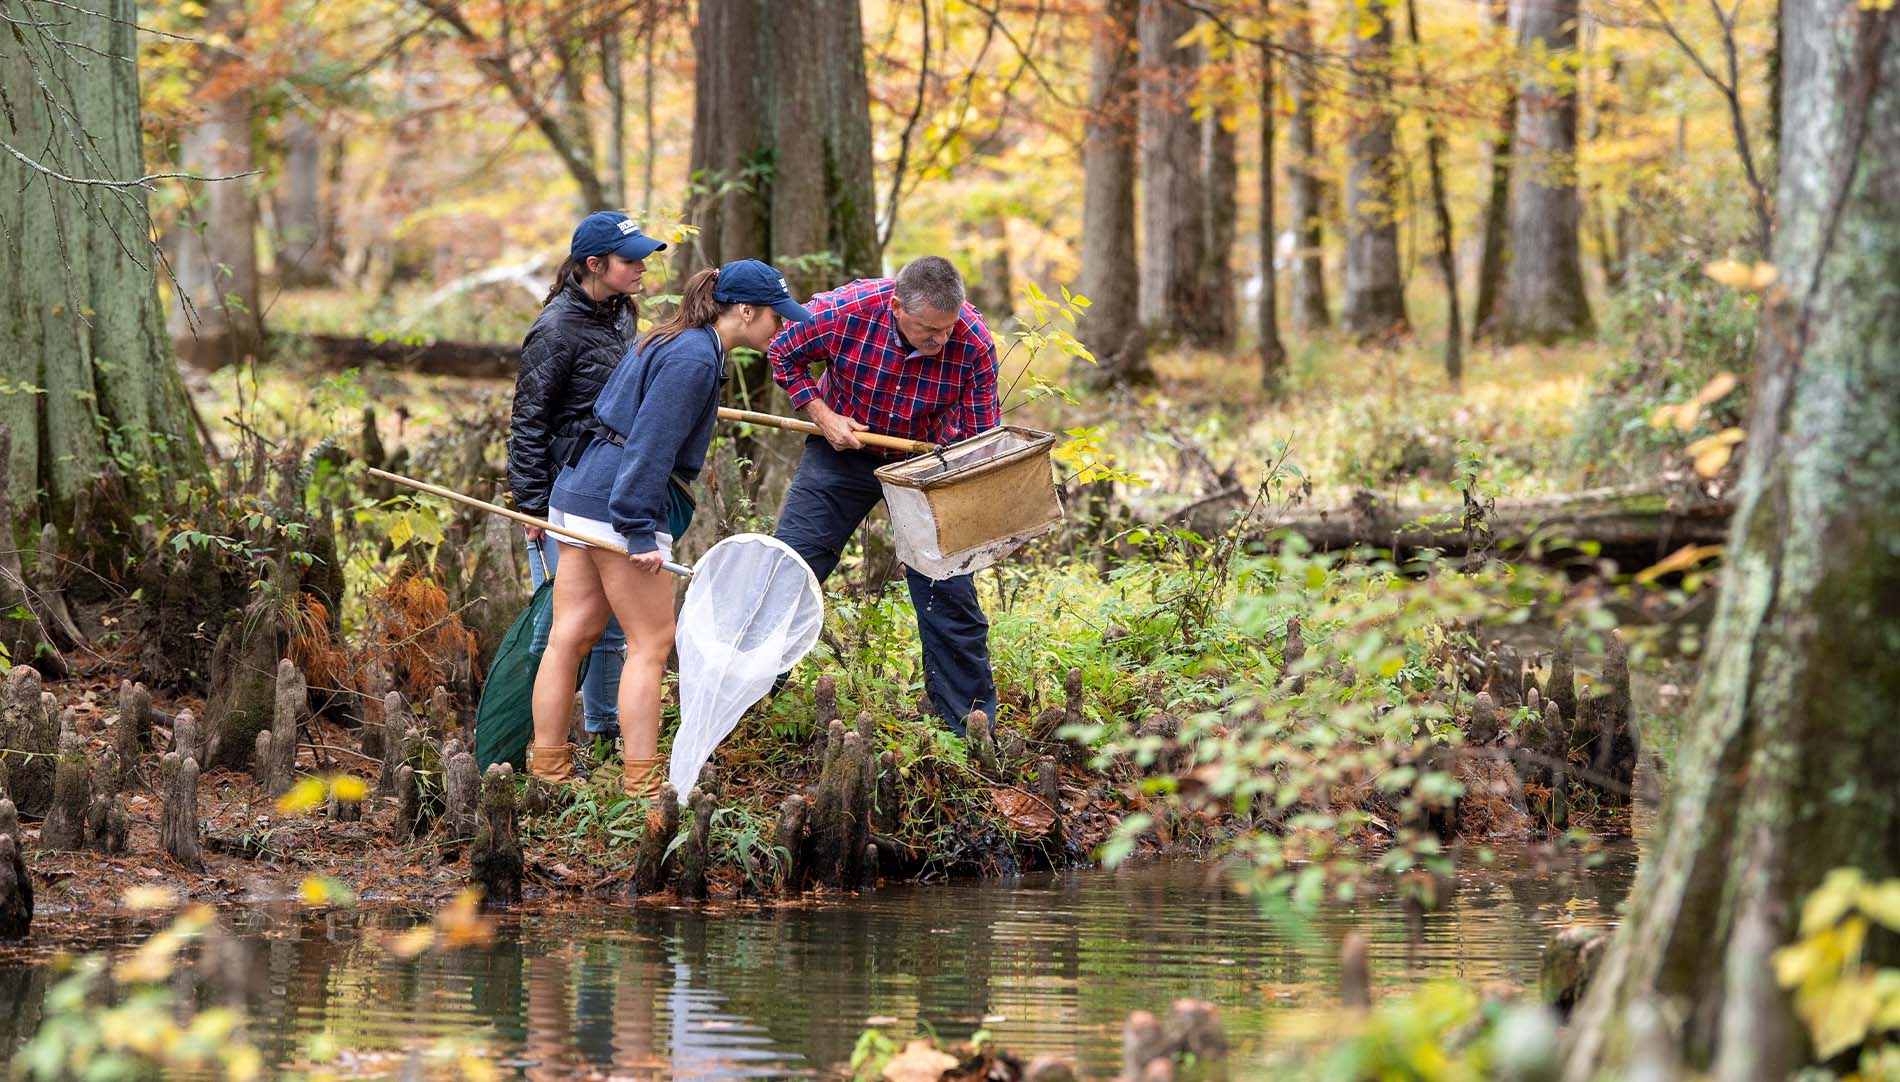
[(697, 309), (571, 267)]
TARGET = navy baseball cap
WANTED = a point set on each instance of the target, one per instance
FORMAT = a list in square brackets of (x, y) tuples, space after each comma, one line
[(608, 232), (748, 281)]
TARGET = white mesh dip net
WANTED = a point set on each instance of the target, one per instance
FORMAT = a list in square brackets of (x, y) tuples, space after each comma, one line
[(753, 609)]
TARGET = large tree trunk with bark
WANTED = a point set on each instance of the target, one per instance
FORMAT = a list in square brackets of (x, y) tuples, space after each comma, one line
[(1790, 763), (213, 245), (1497, 204), (82, 334), (1112, 328), (1374, 307), (1173, 189), (1305, 188), (781, 149), (1544, 298)]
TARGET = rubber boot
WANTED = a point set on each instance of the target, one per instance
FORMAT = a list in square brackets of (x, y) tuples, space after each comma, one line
[(642, 779), (553, 763)]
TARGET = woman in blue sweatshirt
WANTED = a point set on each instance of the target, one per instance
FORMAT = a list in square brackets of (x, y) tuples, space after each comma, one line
[(629, 486)]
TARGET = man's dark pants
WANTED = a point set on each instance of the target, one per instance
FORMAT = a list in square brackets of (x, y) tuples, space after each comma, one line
[(830, 495)]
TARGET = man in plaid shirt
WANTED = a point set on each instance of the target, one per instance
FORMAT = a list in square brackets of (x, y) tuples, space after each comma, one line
[(908, 357)]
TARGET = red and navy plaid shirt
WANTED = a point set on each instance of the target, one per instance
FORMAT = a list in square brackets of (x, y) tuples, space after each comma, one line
[(872, 375)]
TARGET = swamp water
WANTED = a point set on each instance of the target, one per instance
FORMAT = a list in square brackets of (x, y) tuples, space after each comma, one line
[(1047, 963)]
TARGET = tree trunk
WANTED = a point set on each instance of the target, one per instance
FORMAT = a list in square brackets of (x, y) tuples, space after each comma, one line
[(1789, 765), (1112, 329), (611, 77), (1305, 190), (1272, 352), (1173, 195), (1497, 206), (1543, 298), (1374, 308), (782, 142), (1220, 157), (213, 246), (649, 146), (80, 317), (301, 254), (1441, 212)]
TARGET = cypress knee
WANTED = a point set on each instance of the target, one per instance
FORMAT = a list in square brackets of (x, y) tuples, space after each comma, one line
[(132, 732), (788, 837), (495, 862), (65, 826), (663, 822), (178, 824), (695, 854)]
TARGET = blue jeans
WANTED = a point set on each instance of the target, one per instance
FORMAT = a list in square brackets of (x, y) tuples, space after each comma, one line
[(830, 495), (600, 689)]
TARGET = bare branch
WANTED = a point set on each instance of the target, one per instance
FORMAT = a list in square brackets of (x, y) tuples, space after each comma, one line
[(910, 128), (136, 182)]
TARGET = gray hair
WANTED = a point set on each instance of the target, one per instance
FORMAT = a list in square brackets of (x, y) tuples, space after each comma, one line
[(930, 284)]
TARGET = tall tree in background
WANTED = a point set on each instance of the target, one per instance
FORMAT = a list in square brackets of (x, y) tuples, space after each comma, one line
[(1272, 352), (1789, 763), (98, 401), (1174, 304), (1497, 204), (1221, 164), (781, 156), (213, 246), (302, 245), (1109, 279), (1446, 252), (1544, 298), (1305, 188), (1374, 306)]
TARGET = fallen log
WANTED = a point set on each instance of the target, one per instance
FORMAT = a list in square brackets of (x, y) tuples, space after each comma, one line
[(1635, 525), (466, 360)]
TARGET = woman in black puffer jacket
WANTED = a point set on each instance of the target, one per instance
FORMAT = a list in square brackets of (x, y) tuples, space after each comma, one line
[(586, 326)]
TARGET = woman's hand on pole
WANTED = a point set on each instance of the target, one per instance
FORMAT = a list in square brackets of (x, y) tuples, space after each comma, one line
[(536, 534), (650, 562)]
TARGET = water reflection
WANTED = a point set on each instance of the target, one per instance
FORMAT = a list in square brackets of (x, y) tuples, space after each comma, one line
[(1046, 964)]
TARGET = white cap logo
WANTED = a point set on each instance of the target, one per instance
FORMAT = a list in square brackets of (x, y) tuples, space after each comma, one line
[(782, 285), (627, 228)]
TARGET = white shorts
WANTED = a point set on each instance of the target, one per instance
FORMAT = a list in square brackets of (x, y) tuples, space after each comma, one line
[(603, 532)]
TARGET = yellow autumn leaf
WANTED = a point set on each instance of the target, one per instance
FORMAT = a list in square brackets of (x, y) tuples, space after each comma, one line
[(412, 942), (302, 797), (401, 532), (1839, 1017), (476, 1069), (327, 890), (1887, 991), (349, 789), (1711, 453), (1687, 416), (1881, 901), (243, 1063), (1682, 559), (1710, 462), (1741, 276), (1713, 391), (144, 899), (1832, 900)]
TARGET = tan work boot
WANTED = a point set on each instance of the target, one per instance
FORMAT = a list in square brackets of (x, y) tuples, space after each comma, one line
[(642, 779), (552, 763)]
